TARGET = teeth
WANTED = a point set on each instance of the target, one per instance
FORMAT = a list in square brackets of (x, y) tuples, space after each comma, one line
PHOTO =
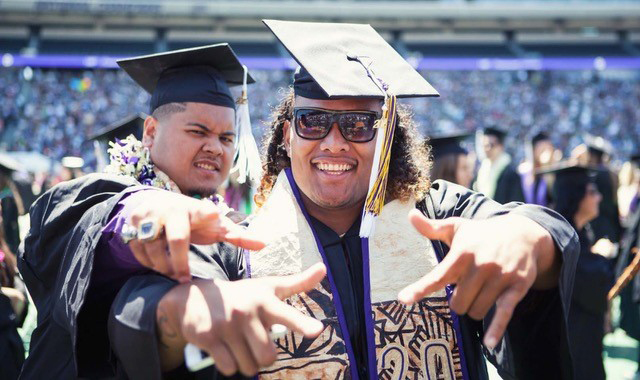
[(334, 167), (205, 166)]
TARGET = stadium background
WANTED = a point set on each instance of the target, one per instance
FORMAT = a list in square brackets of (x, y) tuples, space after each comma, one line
[(565, 67)]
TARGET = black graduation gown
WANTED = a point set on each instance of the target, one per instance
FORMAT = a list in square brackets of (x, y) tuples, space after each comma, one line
[(11, 348), (509, 187), (594, 278), (630, 295), (131, 319), (10, 222), (57, 264), (607, 224)]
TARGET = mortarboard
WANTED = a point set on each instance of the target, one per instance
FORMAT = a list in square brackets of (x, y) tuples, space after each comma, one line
[(333, 57), (568, 170), (201, 74), (598, 145), (353, 61), (72, 162), (130, 125), (450, 144), (635, 158)]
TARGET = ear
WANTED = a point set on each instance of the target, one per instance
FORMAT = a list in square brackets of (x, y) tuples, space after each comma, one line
[(286, 139), (150, 130)]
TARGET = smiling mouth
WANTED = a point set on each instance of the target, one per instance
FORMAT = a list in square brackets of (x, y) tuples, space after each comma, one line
[(208, 167), (334, 169)]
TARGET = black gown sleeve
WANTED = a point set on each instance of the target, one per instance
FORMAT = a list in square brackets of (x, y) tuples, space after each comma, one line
[(132, 319), (540, 321)]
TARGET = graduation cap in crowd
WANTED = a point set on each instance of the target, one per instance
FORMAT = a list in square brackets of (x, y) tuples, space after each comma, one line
[(353, 61), (130, 125), (493, 130), (635, 158), (201, 75), (120, 130), (450, 144), (598, 145), (72, 162), (568, 170)]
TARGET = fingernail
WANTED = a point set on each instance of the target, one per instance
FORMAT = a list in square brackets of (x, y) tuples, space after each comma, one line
[(490, 342), (184, 279)]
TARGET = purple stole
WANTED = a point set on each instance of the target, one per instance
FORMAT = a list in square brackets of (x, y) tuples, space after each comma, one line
[(421, 341), (532, 194)]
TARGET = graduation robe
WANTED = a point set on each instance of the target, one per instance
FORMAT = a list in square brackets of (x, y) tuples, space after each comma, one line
[(607, 224), (594, 278), (630, 295), (509, 187), (129, 349)]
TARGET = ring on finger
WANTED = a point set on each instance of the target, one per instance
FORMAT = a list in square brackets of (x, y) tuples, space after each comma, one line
[(149, 230)]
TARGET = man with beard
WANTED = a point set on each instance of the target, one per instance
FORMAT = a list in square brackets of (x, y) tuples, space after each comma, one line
[(346, 186)]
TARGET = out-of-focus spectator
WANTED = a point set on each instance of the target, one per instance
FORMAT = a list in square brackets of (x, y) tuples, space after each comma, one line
[(607, 224), (451, 160), (540, 152), (11, 205), (628, 189), (576, 197), (13, 310), (497, 177)]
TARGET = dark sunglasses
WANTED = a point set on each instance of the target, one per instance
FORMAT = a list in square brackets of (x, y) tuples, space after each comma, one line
[(316, 123)]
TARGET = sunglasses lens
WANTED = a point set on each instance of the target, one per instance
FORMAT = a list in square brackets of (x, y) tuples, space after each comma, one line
[(357, 127), (312, 125)]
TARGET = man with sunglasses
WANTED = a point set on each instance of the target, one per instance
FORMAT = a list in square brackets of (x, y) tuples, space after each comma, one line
[(346, 186)]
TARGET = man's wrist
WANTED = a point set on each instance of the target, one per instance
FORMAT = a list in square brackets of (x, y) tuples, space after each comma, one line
[(170, 339)]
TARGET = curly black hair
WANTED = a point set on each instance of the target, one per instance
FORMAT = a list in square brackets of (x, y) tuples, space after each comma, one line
[(408, 170)]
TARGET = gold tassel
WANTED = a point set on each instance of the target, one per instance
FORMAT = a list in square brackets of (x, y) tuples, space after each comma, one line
[(376, 197)]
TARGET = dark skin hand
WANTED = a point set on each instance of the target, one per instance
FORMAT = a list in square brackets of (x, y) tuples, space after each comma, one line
[(231, 320), (186, 220), (491, 261)]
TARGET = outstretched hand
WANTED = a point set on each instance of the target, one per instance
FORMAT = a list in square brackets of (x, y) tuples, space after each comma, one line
[(231, 320), (186, 220), (491, 261)]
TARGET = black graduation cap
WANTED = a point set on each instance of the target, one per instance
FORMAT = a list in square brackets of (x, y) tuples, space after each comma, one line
[(334, 56), (130, 125), (493, 130), (568, 169), (598, 145), (635, 158), (201, 74), (450, 144)]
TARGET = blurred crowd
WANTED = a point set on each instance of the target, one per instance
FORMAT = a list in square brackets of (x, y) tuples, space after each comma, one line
[(53, 111)]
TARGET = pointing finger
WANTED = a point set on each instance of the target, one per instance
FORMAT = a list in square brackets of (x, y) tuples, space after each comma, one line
[(287, 286), (279, 312), (178, 233)]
